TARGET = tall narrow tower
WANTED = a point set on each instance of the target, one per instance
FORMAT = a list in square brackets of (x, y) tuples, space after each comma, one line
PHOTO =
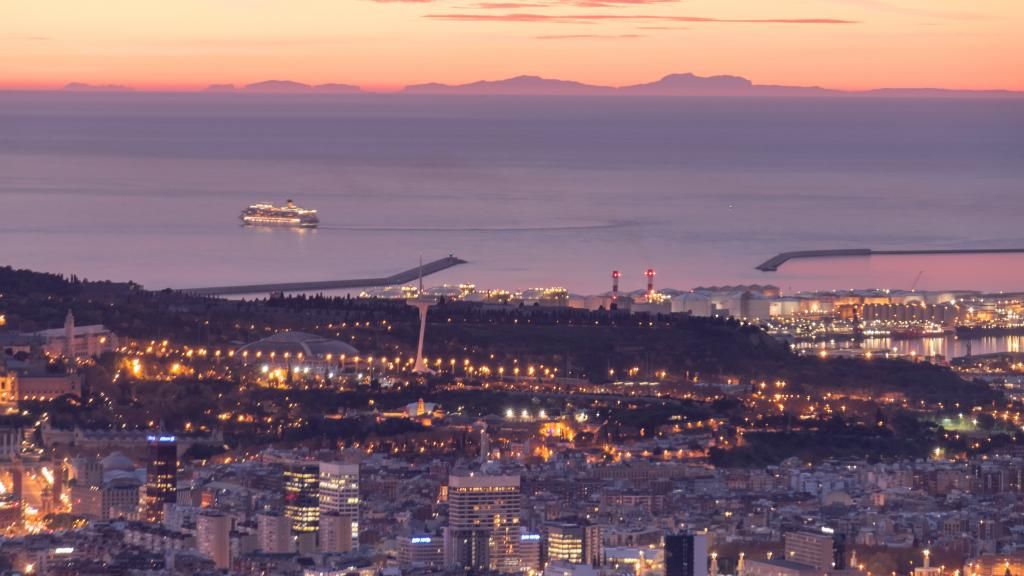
[(650, 283), (69, 335), (422, 302), (615, 289), (485, 443)]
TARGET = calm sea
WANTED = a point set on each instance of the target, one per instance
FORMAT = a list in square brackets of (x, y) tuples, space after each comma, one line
[(532, 191)]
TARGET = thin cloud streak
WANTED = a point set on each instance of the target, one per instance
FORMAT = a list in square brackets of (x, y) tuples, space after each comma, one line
[(544, 4), (587, 36), (506, 5), (586, 18)]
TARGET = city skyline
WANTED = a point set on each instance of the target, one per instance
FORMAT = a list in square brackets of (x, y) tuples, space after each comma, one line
[(384, 45), (511, 288)]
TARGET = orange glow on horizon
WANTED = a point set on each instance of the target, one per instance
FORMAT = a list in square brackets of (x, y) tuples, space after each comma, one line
[(384, 45)]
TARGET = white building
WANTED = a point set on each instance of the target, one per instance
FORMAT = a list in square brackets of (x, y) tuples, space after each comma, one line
[(483, 522), (339, 494), (695, 303), (77, 341)]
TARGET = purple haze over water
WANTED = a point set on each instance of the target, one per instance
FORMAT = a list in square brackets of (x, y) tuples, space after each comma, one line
[(532, 191)]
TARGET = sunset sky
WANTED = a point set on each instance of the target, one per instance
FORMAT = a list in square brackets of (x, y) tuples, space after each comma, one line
[(851, 44)]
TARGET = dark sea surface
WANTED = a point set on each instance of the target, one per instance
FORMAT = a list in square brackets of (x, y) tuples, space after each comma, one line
[(531, 191)]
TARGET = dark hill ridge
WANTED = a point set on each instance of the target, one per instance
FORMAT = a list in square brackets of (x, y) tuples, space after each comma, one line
[(592, 342)]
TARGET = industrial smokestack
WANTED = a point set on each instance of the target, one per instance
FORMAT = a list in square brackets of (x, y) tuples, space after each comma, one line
[(650, 283)]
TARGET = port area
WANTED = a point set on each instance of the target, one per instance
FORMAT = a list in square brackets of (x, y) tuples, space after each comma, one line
[(400, 278), (775, 262)]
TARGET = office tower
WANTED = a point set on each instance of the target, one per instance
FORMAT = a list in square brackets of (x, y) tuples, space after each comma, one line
[(301, 495), (483, 522), (339, 494), (213, 537), (817, 550), (530, 551), (576, 541), (686, 554), (161, 475)]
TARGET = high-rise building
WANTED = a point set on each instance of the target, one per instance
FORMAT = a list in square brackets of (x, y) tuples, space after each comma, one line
[(686, 554), (301, 495), (576, 541), (530, 552), (339, 494), (274, 533), (335, 533), (817, 550), (161, 475), (213, 537), (483, 522)]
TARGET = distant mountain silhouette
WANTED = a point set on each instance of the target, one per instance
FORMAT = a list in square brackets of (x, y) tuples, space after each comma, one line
[(289, 87), (671, 85), (278, 86), (693, 85), (520, 85), (684, 84), (690, 83), (337, 88), (84, 87), (677, 85)]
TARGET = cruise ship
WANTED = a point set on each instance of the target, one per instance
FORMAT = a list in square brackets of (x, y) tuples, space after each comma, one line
[(266, 214)]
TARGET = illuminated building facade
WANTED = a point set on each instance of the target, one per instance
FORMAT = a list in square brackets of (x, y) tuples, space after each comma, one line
[(77, 341), (8, 388), (531, 552), (301, 496), (161, 475), (995, 565), (339, 494), (421, 551), (483, 516), (576, 542)]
